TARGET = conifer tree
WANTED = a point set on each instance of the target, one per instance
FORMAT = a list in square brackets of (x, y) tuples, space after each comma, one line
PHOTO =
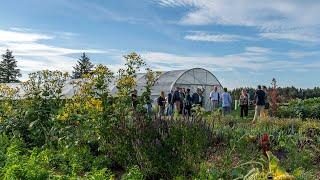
[(83, 66), (9, 72)]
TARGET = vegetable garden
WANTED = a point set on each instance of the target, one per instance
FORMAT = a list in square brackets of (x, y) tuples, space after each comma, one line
[(95, 135)]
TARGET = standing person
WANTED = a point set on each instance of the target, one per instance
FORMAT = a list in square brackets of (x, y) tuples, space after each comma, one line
[(244, 103), (169, 103), (188, 105), (260, 102), (148, 105), (267, 105), (196, 97), (161, 103), (182, 103), (176, 100), (134, 99), (226, 102), (215, 98)]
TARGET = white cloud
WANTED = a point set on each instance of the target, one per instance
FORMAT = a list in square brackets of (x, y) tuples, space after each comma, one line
[(21, 29), (261, 13), (15, 36), (221, 63), (285, 20), (234, 70), (291, 36), (313, 65), (259, 50), (203, 36), (33, 55), (253, 59), (39, 49), (302, 54)]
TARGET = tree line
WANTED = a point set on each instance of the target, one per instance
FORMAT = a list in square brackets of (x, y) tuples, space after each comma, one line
[(10, 73), (285, 94)]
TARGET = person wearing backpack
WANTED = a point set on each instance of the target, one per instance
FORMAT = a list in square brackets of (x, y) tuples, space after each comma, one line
[(215, 98)]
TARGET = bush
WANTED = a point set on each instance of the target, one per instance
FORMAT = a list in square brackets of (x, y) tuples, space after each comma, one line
[(134, 173), (309, 108)]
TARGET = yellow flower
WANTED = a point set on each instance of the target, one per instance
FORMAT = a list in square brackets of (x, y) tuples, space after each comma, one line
[(63, 117), (94, 105)]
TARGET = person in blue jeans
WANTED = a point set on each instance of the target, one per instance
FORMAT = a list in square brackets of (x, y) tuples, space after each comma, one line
[(226, 102)]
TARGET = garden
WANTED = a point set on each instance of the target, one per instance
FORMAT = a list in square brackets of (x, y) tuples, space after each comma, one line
[(96, 135)]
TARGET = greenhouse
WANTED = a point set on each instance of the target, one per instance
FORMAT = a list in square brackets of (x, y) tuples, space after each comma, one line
[(190, 78)]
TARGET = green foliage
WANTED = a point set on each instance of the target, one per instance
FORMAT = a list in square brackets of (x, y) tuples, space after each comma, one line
[(19, 164), (134, 173), (43, 93), (99, 174), (309, 108), (207, 171)]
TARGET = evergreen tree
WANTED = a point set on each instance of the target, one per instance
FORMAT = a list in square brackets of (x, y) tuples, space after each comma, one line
[(8, 68), (84, 66)]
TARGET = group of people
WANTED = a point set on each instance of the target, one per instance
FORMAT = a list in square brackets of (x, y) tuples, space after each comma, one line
[(181, 100), (224, 98), (260, 101)]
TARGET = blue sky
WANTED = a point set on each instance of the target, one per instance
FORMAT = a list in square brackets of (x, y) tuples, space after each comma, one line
[(243, 42)]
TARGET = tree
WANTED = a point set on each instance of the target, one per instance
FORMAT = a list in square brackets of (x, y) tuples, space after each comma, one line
[(9, 72), (84, 66)]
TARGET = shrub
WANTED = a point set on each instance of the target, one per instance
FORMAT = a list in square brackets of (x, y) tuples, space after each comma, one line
[(133, 173), (309, 108)]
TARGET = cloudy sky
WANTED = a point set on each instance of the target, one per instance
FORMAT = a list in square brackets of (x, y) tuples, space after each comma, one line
[(243, 42)]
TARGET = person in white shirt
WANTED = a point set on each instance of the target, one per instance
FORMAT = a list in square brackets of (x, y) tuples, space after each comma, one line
[(215, 98)]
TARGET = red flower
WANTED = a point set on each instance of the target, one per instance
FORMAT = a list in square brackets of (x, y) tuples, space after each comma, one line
[(265, 143), (265, 137)]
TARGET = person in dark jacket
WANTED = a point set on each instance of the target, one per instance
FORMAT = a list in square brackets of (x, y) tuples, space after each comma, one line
[(260, 102), (176, 99), (182, 100), (188, 103), (267, 105), (197, 98), (169, 103), (161, 103)]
